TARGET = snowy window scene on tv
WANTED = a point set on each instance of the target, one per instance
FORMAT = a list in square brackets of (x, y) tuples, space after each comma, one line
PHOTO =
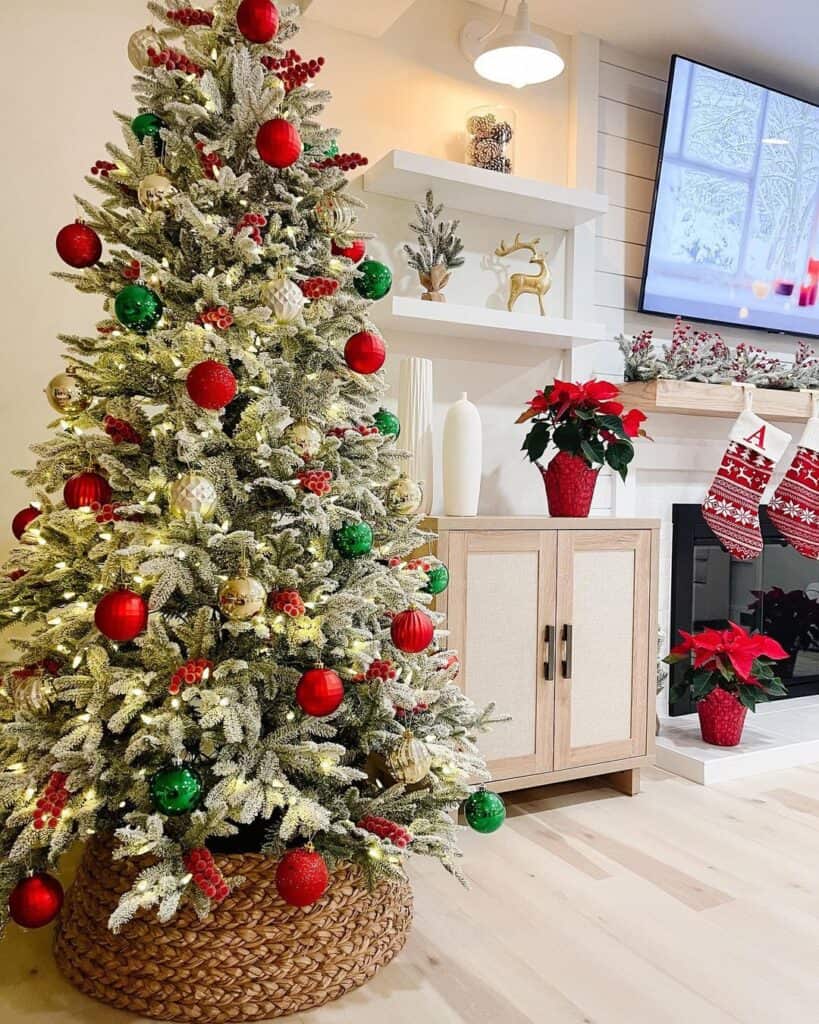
[(735, 234)]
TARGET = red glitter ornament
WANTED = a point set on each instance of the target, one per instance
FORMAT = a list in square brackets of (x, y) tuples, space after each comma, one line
[(365, 352), (79, 246), (206, 876), (286, 602), (278, 143), (302, 877), (86, 489), (355, 252), (320, 692), (412, 631), (121, 615), (36, 901), (258, 20), (211, 385), (23, 519)]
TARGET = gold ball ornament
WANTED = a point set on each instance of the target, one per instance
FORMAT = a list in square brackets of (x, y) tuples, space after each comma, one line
[(193, 494), (154, 190), (139, 44), (30, 690), (410, 761), (285, 299), (404, 497), (241, 597), (274, 84), (65, 394), (304, 439), (335, 215)]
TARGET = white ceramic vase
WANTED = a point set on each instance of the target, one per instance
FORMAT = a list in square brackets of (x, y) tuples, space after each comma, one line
[(463, 458), (415, 414)]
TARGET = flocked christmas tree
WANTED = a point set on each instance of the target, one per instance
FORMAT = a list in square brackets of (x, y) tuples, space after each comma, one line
[(225, 639)]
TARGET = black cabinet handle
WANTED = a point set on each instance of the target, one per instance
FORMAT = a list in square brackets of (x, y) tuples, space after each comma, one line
[(549, 664), (568, 639)]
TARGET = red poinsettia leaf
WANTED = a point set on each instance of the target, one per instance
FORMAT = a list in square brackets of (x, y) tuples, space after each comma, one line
[(632, 421), (770, 648), (599, 390)]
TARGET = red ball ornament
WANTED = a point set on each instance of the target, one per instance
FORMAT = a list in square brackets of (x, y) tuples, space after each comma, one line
[(79, 246), (278, 143), (320, 691), (258, 20), (22, 520), (211, 385), (365, 352), (86, 489), (354, 252), (302, 877), (412, 631), (121, 615), (36, 901)]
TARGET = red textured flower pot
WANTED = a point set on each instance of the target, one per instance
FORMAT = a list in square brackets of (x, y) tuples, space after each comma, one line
[(722, 718), (570, 483)]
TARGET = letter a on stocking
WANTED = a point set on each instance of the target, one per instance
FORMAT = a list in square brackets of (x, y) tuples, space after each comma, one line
[(731, 507)]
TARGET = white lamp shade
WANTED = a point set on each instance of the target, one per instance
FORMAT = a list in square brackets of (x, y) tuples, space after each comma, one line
[(516, 61)]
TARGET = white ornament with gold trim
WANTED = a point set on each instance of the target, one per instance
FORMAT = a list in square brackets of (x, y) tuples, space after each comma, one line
[(410, 761), (404, 497), (154, 190), (139, 44), (242, 597), (193, 494), (304, 439), (65, 394), (284, 298)]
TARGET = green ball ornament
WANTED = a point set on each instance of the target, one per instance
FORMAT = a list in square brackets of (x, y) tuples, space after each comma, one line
[(387, 423), (375, 280), (138, 308), (176, 790), (144, 125), (332, 150), (354, 540), (485, 811), (437, 579)]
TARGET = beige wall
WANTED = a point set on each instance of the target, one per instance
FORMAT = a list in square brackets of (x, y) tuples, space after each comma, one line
[(409, 89)]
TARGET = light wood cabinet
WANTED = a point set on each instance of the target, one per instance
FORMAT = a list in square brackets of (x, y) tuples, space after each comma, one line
[(556, 621)]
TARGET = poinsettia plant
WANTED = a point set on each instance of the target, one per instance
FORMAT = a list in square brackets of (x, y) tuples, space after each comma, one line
[(584, 420), (729, 659)]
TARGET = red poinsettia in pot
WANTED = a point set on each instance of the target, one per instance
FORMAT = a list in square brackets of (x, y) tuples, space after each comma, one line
[(587, 426), (730, 671)]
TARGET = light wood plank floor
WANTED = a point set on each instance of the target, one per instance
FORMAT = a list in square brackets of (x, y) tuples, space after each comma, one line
[(685, 905)]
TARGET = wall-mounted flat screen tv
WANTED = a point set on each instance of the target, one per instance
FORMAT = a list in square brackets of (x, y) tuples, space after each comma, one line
[(734, 234)]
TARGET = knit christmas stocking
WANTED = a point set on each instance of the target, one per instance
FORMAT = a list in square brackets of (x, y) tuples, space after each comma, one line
[(794, 508), (731, 507)]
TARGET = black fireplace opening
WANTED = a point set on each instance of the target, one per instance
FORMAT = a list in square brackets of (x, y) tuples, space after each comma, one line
[(777, 594)]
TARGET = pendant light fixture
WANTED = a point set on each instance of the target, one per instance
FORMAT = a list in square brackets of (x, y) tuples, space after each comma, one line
[(517, 58)]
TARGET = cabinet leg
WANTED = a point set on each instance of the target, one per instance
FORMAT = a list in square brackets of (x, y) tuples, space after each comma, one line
[(627, 782)]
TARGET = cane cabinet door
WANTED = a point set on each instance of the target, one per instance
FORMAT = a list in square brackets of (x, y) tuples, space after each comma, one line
[(603, 617), (501, 600)]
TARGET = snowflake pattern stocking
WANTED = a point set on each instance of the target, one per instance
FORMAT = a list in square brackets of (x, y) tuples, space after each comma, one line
[(794, 508), (731, 507)]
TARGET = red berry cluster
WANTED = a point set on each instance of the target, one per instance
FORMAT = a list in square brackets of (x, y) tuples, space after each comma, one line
[(191, 673), (359, 428), (402, 712), (254, 221), (206, 875), (219, 316), (210, 161), (318, 287), (381, 670), (16, 574), (106, 513), (120, 431), (173, 60), (292, 70), (319, 481), (385, 829), (419, 563), (103, 168), (51, 804), (105, 329), (132, 271), (345, 161), (191, 16), (288, 602)]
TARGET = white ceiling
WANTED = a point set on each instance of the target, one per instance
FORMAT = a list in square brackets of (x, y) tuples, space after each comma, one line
[(775, 41)]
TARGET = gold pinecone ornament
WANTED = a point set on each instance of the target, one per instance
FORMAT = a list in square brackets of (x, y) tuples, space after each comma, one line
[(410, 761)]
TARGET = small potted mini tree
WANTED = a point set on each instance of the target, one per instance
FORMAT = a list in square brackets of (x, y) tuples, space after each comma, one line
[(730, 671), (439, 249), (587, 426)]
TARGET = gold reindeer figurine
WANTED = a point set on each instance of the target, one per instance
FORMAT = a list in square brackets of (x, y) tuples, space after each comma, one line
[(527, 284)]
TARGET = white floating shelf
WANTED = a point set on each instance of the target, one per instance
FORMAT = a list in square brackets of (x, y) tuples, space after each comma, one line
[(446, 319), (404, 175)]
